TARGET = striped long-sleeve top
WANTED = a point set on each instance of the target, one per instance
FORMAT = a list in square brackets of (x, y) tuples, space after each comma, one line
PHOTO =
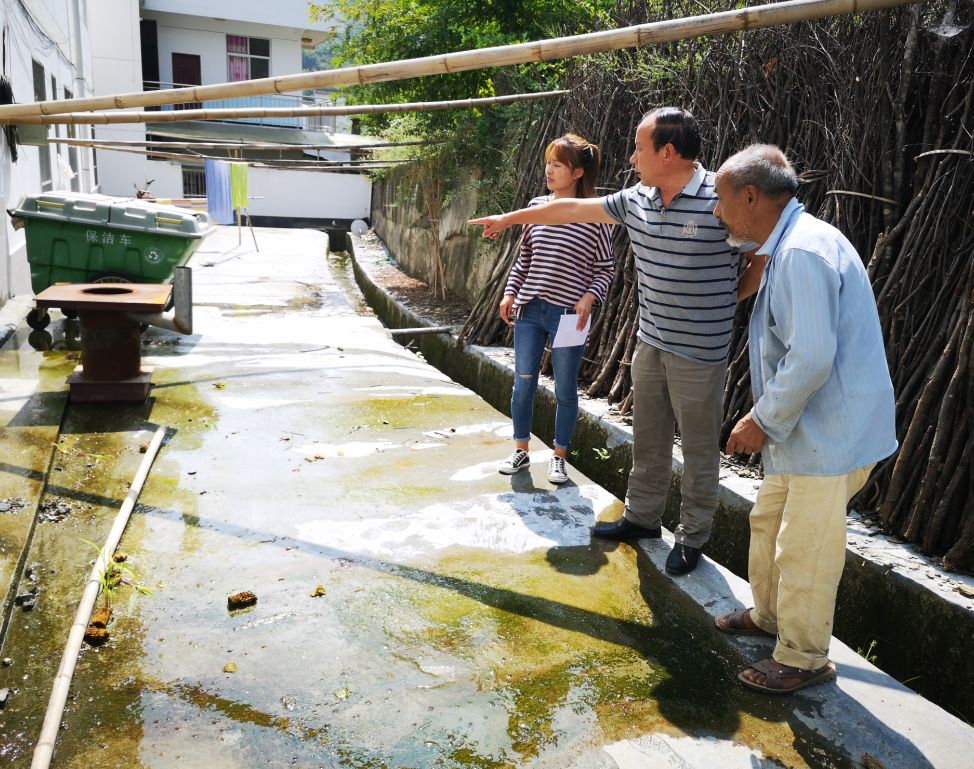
[(558, 263), (685, 271)]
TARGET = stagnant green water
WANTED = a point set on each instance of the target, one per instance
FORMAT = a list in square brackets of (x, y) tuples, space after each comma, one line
[(465, 658)]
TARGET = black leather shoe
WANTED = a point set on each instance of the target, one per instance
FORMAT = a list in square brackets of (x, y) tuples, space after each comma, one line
[(625, 529), (682, 559)]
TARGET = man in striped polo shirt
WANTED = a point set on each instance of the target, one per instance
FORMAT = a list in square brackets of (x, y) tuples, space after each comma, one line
[(687, 278)]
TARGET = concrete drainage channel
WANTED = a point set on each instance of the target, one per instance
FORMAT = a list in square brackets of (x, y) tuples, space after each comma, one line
[(407, 585), (884, 583)]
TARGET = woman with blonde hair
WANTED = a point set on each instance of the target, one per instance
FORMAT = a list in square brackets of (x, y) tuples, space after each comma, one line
[(561, 269)]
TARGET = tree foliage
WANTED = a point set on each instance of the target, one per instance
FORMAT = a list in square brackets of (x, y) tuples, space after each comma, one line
[(318, 58), (391, 30)]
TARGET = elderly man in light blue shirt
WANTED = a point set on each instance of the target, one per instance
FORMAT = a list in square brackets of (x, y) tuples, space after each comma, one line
[(823, 413)]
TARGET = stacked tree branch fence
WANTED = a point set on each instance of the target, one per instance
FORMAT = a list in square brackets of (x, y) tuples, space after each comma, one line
[(877, 113)]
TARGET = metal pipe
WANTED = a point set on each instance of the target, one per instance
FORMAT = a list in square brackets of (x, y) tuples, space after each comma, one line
[(180, 319), (421, 330), (62, 681), (167, 321)]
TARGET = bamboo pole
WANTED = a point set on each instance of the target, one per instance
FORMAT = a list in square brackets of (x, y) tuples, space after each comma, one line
[(172, 116), (283, 163), (269, 161), (44, 749), (293, 166), (740, 20), (110, 143), (326, 164), (311, 165), (329, 170)]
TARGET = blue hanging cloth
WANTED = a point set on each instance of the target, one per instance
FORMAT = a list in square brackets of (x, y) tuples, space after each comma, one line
[(218, 191)]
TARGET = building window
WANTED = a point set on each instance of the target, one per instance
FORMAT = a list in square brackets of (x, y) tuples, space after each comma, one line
[(43, 152), (248, 58), (194, 182)]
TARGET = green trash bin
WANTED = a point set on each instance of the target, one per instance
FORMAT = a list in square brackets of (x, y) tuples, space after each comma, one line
[(87, 238)]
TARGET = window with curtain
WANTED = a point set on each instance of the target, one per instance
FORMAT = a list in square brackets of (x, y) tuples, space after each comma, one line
[(247, 57)]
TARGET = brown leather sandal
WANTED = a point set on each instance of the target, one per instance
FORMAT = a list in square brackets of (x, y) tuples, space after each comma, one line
[(784, 679), (739, 622)]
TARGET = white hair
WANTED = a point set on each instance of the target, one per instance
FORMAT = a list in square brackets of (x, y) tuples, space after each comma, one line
[(763, 166)]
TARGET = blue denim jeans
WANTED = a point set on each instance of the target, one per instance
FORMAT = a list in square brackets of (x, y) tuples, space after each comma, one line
[(536, 322)]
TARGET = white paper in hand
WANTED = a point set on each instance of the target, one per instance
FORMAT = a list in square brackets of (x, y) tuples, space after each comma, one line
[(568, 334)]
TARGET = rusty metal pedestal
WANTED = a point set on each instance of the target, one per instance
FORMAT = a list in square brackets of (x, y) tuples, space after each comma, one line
[(111, 344)]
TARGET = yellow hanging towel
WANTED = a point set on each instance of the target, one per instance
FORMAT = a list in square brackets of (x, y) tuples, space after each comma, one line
[(238, 185)]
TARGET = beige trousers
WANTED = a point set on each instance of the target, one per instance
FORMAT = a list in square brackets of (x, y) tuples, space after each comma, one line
[(796, 558)]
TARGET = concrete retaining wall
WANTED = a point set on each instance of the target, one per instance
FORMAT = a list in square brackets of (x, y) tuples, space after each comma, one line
[(401, 219), (887, 593)]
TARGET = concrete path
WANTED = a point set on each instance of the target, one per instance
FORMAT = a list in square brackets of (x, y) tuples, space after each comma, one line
[(414, 608)]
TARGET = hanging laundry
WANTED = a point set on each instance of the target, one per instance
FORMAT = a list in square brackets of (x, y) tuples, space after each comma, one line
[(238, 185), (218, 191)]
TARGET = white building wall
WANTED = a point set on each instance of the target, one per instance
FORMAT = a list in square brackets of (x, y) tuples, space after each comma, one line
[(308, 194), (167, 176), (57, 40), (117, 62), (207, 38), (188, 27), (284, 193), (117, 68)]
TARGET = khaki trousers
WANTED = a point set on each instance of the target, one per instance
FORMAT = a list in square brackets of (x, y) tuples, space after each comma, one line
[(669, 390), (797, 553)]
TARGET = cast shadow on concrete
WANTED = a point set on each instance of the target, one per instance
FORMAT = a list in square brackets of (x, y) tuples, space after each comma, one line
[(697, 689), (572, 515), (46, 409), (23, 472), (577, 560), (572, 557), (316, 371), (89, 418), (64, 334), (41, 409), (824, 708), (160, 343)]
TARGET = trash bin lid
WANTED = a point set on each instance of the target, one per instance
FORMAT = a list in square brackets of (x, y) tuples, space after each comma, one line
[(86, 208), (134, 214), (114, 212)]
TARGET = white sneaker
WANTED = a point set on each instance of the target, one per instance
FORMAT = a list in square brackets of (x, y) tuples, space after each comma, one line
[(514, 463), (556, 470)]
